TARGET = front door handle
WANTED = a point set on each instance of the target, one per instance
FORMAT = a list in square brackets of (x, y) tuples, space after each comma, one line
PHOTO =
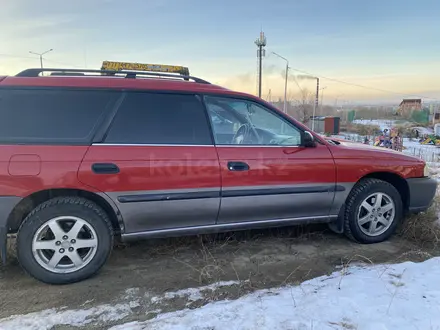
[(238, 166), (105, 168)]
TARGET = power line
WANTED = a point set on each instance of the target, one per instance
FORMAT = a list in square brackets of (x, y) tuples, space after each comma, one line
[(361, 86)]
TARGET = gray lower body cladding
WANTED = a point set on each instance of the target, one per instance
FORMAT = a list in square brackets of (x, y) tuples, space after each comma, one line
[(218, 228), (159, 213), (194, 211)]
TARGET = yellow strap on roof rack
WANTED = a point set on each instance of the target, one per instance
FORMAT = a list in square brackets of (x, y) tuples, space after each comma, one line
[(118, 66)]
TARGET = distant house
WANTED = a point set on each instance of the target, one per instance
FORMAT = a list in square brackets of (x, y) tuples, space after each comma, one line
[(409, 105)]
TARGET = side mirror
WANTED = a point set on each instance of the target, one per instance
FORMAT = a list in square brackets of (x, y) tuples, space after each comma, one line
[(309, 140)]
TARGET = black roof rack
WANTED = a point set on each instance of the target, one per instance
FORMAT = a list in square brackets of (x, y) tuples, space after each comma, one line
[(35, 72), (64, 73)]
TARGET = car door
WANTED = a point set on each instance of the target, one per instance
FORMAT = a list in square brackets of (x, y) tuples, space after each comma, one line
[(157, 163), (267, 174)]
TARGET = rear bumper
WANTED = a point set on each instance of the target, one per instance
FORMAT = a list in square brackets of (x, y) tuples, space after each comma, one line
[(421, 193), (7, 204)]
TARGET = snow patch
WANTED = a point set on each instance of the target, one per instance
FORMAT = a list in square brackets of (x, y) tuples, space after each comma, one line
[(434, 170), (402, 296), (194, 294), (103, 314), (382, 123), (49, 318)]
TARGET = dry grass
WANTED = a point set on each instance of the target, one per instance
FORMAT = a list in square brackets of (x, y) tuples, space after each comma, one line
[(208, 268), (423, 228)]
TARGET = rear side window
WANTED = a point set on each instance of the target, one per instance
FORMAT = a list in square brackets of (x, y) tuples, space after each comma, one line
[(154, 118), (51, 116)]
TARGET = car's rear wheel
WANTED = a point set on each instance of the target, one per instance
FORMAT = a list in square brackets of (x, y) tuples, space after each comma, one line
[(64, 240), (373, 211)]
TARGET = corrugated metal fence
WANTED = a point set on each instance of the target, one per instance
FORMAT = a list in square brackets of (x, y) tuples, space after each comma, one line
[(427, 154)]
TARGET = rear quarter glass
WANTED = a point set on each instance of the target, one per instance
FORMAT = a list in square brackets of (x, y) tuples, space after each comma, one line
[(52, 116)]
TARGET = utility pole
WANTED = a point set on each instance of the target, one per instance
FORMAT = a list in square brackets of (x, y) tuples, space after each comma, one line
[(316, 103), (322, 97), (41, 55), (261, 52), (285, 82)]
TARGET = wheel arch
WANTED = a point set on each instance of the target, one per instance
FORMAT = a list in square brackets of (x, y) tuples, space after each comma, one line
[(27, 204), (395, 180), (392, 178)]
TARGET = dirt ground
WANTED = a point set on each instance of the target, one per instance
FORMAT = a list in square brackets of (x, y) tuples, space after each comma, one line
[(259, 259)]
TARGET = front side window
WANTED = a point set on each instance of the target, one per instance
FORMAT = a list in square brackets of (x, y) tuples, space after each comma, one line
[(154, 118), (236, 121)]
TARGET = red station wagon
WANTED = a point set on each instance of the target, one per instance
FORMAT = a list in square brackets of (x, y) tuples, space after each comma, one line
[(88, 154)]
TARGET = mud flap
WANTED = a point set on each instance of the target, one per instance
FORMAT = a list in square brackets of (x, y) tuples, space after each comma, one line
[(3, 241), (338, 225)]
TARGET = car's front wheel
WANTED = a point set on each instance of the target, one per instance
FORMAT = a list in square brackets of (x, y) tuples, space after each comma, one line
[(64, 240), (373, 211)]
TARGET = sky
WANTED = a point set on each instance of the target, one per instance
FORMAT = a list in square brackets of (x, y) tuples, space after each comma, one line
[(390, 46)]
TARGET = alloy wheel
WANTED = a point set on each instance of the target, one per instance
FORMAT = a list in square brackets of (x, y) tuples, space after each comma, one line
[(376, 214), (64, 244)]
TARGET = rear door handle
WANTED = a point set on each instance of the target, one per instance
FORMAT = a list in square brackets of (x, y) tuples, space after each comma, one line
[(105, 168), (238, 166)]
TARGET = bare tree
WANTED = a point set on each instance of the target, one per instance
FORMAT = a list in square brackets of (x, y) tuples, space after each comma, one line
[(302, 108)]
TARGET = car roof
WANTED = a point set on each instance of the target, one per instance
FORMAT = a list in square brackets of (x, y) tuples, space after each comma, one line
[(116, 80), (111, 83)]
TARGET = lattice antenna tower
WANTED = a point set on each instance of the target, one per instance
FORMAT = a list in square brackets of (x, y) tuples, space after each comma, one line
[(261, 52)]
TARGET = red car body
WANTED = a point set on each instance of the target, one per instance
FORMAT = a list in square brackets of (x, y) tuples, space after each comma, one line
[(185, 189)]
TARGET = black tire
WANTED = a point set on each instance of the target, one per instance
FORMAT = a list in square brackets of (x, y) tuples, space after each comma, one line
[(65, 206), (359, 193)]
